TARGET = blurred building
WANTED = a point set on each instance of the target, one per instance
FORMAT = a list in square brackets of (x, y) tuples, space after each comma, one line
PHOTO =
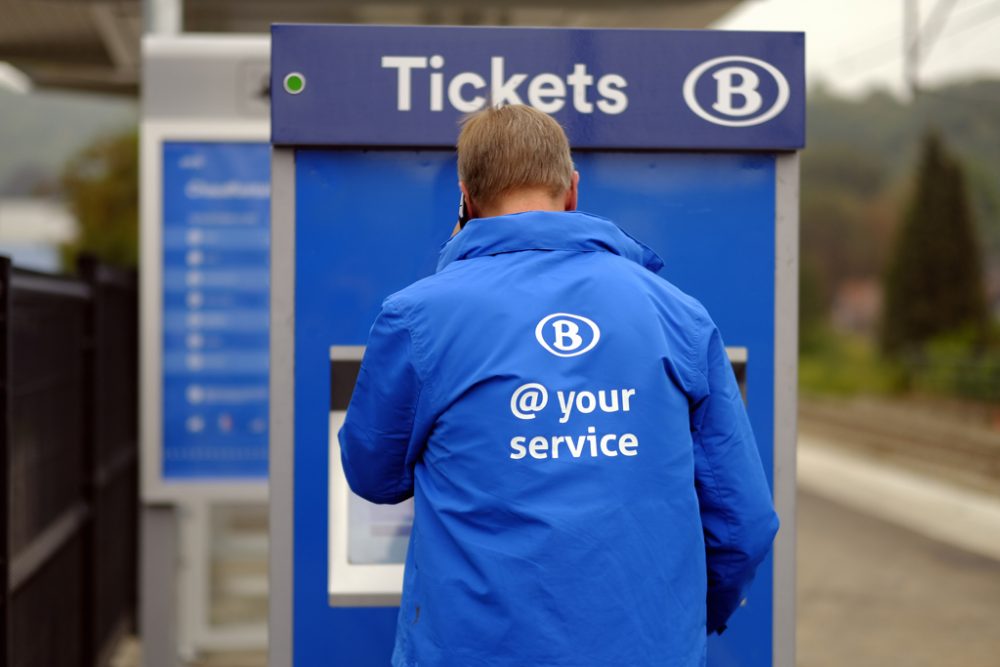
[(32, 231), (95, 45), (857, 305)]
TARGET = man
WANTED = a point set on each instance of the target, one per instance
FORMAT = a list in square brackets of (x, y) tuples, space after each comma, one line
[(587, 488)]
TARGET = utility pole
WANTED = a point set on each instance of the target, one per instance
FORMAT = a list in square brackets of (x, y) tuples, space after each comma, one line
[(918, 40), (911, 46)]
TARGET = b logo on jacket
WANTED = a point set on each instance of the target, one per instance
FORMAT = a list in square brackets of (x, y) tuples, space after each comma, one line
[(567, 335)]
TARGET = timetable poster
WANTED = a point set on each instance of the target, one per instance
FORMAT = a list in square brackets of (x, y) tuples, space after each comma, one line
[(216, 211)]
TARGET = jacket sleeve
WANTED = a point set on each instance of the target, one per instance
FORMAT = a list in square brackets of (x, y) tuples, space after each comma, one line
[(737, 511), (379, 441)]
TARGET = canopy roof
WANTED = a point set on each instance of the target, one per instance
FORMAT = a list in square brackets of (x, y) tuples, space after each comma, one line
[(94, 45)]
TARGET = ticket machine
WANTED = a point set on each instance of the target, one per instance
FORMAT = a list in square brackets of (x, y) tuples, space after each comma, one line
[(687, 139)]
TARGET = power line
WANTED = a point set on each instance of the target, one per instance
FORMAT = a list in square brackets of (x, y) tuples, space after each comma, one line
[(978, 21), (891, 47)]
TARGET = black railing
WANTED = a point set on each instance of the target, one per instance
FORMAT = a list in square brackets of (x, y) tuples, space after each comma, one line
[(68, 442)]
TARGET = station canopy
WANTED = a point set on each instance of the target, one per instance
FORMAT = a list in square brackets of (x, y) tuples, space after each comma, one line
[(94, 45)]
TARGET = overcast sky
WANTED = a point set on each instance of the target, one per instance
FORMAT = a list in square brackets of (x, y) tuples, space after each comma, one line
[(855, 45)]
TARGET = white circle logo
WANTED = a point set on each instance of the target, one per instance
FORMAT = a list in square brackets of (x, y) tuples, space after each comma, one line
[(743, 85), (567, 335)]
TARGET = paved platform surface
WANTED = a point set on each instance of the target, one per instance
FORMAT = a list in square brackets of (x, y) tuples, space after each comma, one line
[(873, 594)]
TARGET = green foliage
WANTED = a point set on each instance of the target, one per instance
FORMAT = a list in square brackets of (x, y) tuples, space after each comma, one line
[(813, 299), (102, 186), (934, 282), (839, 364), (849, 169), (957, 364), (952, 365), (881, 130)]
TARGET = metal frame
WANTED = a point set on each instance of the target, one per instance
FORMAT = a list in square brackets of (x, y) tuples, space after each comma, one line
[(195, 631), (154, 134), (786, 350), (349, 584), (281, 455)]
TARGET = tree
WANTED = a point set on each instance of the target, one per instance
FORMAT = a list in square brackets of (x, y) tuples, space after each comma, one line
[(934, 283), (102, 186)]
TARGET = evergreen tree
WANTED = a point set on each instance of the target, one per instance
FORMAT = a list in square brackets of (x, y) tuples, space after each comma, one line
[(934, 284)]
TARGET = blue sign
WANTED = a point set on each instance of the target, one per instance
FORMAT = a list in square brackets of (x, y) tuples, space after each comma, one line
[(216, 212), (643, 89)]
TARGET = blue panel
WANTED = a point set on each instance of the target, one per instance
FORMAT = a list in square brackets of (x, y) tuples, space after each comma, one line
[(369, 223), (216, 211), (408, 86), (711, 219)]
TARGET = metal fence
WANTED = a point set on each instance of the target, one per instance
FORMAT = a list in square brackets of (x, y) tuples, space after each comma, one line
[(68, 441)]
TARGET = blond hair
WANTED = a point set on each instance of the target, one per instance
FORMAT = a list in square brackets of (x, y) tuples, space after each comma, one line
[(508, 148)]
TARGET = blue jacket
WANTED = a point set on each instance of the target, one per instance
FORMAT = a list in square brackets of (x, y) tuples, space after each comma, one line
[(587, 487)]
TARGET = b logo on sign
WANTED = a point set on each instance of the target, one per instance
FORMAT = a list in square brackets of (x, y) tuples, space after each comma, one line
[(742, 91), (567, 335)]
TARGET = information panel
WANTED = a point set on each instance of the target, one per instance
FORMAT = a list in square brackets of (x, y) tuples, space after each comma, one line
[(216, 211)]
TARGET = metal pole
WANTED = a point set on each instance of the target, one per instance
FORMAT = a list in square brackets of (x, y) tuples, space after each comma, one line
[(158, 532), (158, 599), (163, 17)]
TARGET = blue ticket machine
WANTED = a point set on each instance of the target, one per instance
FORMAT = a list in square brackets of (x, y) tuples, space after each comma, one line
[(686, 139)]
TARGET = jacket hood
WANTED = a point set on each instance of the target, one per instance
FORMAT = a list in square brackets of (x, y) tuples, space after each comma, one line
[(545, 230)]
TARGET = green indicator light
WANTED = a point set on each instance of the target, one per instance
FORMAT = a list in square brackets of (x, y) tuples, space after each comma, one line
[(295, 83)]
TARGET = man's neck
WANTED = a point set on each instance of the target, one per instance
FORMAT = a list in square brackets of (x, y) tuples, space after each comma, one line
[(525, 200)]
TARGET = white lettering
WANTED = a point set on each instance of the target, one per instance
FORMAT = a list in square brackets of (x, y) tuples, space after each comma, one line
[(565, 405), (579, 81), (567, 329), (455, 92), (403, 65), (437, 84), (627, 394), (585, 402), (592, 439), (609, 445), (517, 444), (608, 406), (610, 88), (504, 91), (546, 93), (737, 82), (199, 189), (628, 444), (529, 399), (538, 447)]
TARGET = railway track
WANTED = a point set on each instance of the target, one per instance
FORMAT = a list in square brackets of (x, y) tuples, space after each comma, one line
[(918, 436)]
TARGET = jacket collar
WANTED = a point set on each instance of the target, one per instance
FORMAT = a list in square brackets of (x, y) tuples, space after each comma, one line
[(545, 230)]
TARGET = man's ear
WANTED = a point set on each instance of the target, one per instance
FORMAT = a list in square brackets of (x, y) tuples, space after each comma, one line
[(470, 209), (573, 194)]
